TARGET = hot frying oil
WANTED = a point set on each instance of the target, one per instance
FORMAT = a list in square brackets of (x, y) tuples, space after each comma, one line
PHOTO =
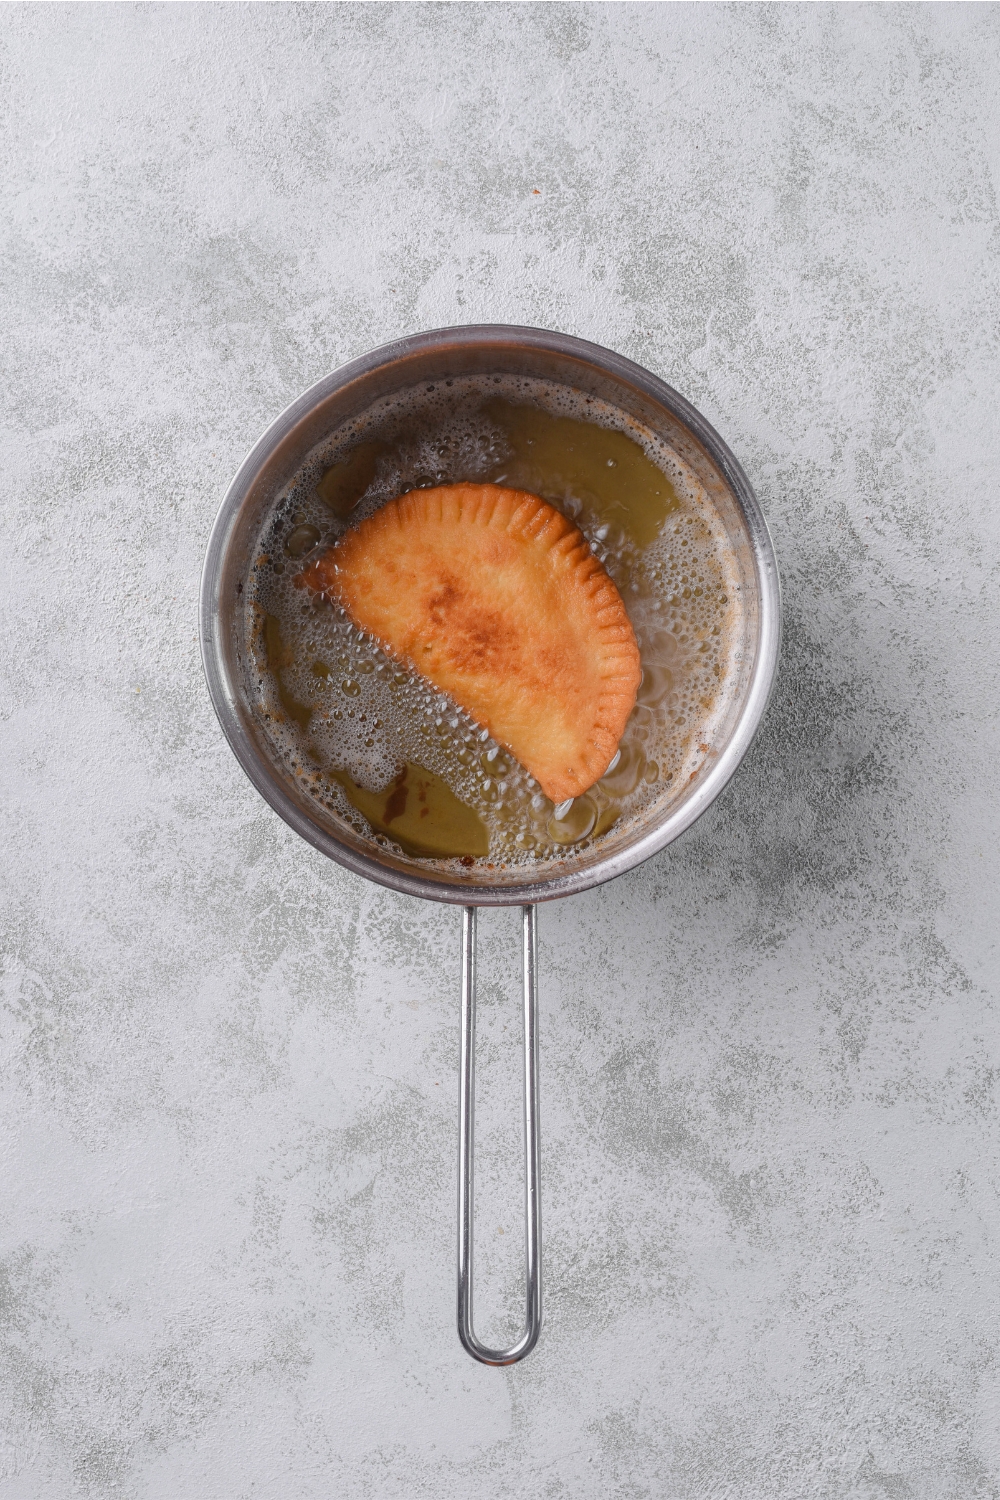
[(378, 745)]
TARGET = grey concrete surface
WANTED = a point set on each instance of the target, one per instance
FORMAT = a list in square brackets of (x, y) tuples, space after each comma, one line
[(770, 1057)]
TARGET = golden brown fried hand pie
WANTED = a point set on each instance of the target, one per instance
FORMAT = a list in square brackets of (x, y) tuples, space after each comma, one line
[(497, 599)]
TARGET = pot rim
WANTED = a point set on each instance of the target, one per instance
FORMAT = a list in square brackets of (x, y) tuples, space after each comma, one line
[(665, 829)]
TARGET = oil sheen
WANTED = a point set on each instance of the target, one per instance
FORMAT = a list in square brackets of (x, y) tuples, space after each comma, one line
[(375, 743)]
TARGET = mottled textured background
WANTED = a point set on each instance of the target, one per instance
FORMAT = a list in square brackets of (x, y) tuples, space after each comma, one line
[(771, 1056)]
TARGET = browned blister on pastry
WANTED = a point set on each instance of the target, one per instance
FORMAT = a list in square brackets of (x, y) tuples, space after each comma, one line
[(498, 600)]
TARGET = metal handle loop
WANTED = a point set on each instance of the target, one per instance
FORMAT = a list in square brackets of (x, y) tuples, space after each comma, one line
[(532, 1150)]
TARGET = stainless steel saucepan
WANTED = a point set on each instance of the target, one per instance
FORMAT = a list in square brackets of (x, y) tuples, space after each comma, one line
[(319, 412)]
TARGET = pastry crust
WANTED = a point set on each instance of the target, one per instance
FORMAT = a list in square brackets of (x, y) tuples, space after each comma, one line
[(498, 600)]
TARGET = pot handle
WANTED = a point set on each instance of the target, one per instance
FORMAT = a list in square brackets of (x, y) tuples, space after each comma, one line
[(532, 1150)]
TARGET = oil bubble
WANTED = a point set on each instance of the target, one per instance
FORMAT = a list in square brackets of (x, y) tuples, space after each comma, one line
[(568, 825), (656, 683), (300, 541), (626, 775)]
